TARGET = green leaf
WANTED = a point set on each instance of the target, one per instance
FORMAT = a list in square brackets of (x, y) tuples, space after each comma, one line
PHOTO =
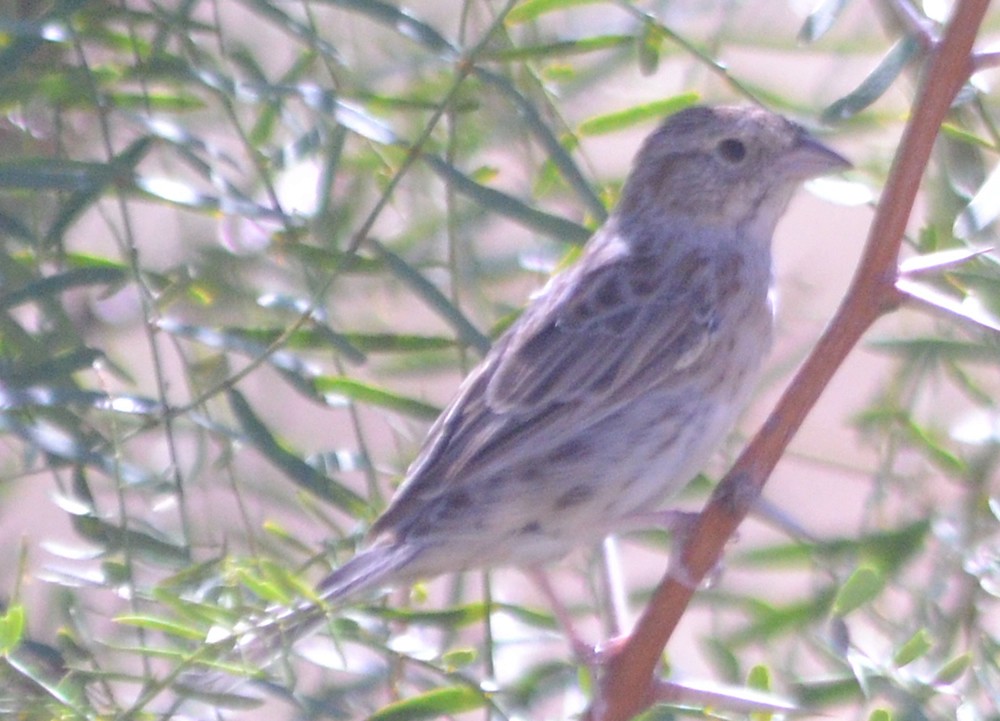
[(55, 371), (880, 714), (864, 585), (154, 623), (285, 578), (649, 46), (821, 19), (768, 621), (657, 110), (877, 82), (982, 211), (558, 155), (759, 679), (533, 9), (332, 259), (434, 704), (174, 192), (937, 349), (887, 550), (459, 658), (11, 628), (434, 298), (291, 464), (400, 21), (318, 329), (398, 342), (966, 136), (952, 670), (66, 692), (112, 537), (827, 692), (561, 48), (56, 397), (724, 661), (53, 174), (12, 226), (372, 395), (263, 588), (119, 170), (255, 342), (68, 444), (923, 439), (60, 283), (454, 617), (916, 646), (507, 205)]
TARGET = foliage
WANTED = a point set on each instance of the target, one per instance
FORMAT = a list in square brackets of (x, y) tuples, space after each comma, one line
[(250, 247)]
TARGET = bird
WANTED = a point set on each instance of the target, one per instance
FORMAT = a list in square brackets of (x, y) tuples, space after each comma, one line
[(618, 380)]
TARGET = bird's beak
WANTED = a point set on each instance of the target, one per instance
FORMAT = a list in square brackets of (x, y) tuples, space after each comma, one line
[(811, 158)]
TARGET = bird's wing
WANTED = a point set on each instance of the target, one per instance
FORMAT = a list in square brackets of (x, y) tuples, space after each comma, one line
[(597, 333)]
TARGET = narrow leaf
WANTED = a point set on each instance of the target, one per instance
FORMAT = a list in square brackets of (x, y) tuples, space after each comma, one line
[(401, 21), (372, 395), (560, 48), (863, 586), (952, 670), (916, 646), (982, 211), (120, 169), (613, 122), (877, 82), (931, 298), (533, 9), (292, 465), (113, 538), (821, 19), (434, 298), (541, 129), (434, 704), (60, 283), (507, 205), (153, 623), (11, 628)]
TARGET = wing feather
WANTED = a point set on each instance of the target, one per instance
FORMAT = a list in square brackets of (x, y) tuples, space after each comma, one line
[(599, 324)]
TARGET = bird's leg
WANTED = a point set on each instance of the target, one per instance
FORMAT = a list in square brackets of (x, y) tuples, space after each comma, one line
[(679, 524), (581, 648), (613, 584)]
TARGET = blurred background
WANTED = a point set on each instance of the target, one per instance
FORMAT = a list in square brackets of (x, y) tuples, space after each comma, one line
[(250, 248)]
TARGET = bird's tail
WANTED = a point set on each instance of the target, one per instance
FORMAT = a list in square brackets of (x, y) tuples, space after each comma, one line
[(262, 642), (369, 569)]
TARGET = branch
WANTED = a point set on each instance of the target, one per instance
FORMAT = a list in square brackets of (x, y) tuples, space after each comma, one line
[(627, 684)]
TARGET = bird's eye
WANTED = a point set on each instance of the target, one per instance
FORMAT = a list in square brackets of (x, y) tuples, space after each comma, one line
[(732, 150)]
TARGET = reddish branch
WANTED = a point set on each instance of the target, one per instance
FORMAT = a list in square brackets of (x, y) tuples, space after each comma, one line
[(628, 686)]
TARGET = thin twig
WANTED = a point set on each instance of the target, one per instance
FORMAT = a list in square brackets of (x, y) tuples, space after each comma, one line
[(987, 59)]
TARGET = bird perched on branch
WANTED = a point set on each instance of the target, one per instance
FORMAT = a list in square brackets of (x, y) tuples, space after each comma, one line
[(619, 379)]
